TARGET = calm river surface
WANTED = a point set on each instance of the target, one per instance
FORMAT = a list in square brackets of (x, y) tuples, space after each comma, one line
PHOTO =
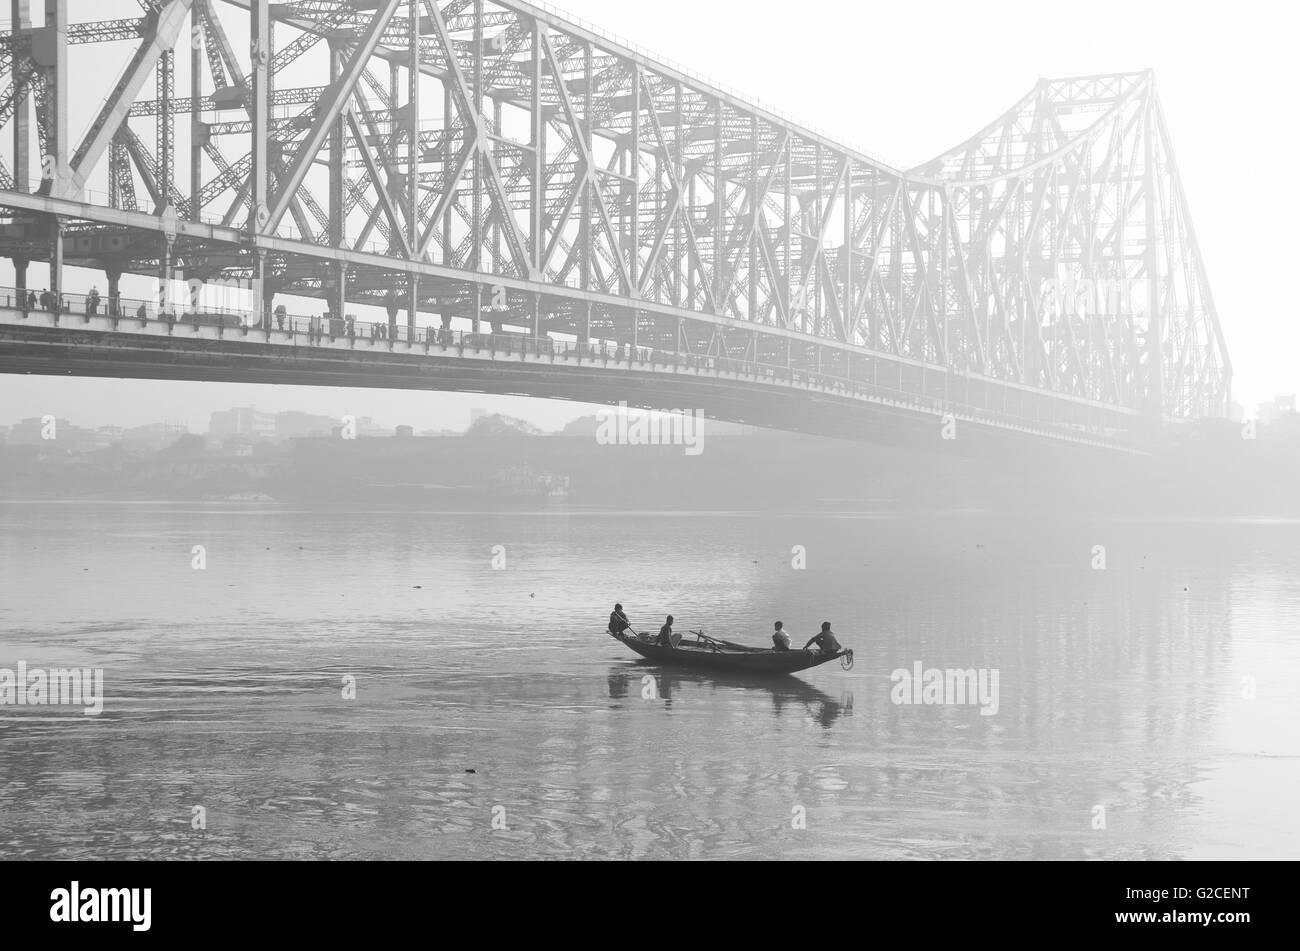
[(1164, 689)]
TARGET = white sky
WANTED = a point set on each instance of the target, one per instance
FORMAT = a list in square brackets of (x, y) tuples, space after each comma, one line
[(904, 82)]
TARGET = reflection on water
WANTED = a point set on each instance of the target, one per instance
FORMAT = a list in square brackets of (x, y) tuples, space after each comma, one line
[(1162, 689), (650, 682)]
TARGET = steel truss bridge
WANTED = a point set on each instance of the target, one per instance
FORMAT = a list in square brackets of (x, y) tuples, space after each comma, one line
[(543, 210)]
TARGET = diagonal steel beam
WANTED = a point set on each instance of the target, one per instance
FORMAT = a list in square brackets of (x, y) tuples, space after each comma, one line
[(327, 110), (382, 185), (160, 38), (482, 144)]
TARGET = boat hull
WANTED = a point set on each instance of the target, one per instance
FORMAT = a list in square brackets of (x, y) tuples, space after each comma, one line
[(750, 660)]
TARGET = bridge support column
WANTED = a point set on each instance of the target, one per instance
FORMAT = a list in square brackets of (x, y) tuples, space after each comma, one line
[(339, 298), (478, 307), (20, 282), (268, 299), (53, 57), (391, 308), (265, 291), (114, 276), (584, 332), (412, 303), (537, 316), (21, 19), (164, 269), (56, 265)]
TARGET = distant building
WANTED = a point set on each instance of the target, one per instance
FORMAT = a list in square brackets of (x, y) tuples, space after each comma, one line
[(405, 432), (368, 428), (477, 413), (243, 421), (152, 436), (1281, 408), (297, 425), (36, 430), (55, 434), (237, 445)]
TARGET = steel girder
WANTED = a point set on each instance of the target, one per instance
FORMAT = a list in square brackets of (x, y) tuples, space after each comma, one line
[(1073, 198), (612, 196)]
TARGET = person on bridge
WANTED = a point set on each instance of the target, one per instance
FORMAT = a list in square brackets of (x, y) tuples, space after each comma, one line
[(92, 302), (47, 300), (618, 622), (31, 300), (780, 639), (825, 641)]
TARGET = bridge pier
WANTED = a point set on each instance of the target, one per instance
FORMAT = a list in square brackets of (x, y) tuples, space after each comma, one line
[(56, 265), (268, 304), (164, 270), (338, 297), (20, 281), (262, 292), (412, 303), (114, 277)]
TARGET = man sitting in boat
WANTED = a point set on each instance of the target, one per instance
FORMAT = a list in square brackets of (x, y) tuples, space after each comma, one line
[(666, 636), (618, 622), (825, 640), (780, 639)]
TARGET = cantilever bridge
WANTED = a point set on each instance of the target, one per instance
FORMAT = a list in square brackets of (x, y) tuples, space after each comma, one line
[(546, 211)]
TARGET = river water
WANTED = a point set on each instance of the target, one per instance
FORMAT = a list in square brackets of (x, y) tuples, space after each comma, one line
[(1149, 708)]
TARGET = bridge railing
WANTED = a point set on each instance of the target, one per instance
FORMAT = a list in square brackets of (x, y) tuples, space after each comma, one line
[(313, 330)]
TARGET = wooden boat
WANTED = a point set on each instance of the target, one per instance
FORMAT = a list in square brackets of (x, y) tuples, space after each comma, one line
[(701, 651)]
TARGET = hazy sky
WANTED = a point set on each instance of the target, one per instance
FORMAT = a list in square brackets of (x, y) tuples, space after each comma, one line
[(904, 82)]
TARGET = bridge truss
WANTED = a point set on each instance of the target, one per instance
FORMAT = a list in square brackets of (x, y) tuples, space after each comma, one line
[(489, 162)]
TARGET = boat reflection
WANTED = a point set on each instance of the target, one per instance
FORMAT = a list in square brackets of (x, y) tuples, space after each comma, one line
[(650, 681)]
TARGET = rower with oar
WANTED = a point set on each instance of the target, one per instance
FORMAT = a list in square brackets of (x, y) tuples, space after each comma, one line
[(618, 622)]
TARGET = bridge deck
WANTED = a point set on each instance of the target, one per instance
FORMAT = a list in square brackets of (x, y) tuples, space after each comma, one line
[(142, 343)]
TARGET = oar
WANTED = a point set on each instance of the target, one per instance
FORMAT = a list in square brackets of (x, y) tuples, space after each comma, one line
[(628, 628)]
